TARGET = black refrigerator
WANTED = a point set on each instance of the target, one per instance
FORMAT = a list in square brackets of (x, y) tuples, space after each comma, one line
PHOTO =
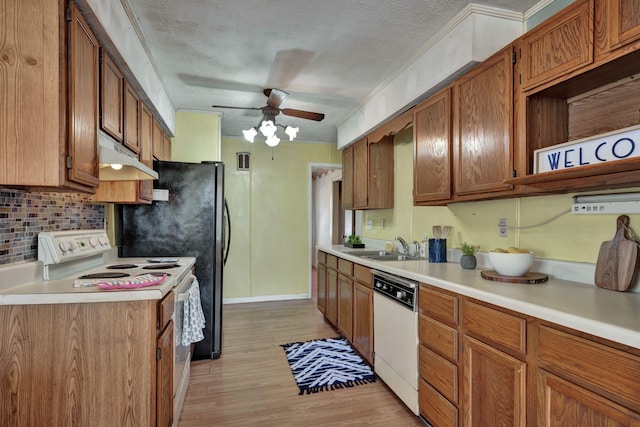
[(194, 221)]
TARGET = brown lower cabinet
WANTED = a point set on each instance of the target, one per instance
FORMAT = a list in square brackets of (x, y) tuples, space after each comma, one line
[(106, 364), (345, 297), (483, 365)]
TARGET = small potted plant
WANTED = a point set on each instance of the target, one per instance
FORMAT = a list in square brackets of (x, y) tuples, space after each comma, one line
[(354, 241), (468, 258)]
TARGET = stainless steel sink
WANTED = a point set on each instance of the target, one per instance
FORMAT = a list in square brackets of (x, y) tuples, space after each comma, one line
[(368, 253), (393, 257)]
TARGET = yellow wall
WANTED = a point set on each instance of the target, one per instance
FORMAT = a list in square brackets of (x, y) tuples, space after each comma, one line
[(197, 137), (570, 237), (269, 211)]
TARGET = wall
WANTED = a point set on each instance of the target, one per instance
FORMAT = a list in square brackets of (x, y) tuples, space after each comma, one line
[(23, 215), (197, 137), (269, 205)]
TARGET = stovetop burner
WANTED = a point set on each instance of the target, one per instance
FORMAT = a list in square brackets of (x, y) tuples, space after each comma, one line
[(160, 266), (158, 274), (121, 266), (104, 275)]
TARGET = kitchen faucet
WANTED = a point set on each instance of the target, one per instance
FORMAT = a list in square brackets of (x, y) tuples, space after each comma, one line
[(405, 246), (416, 245)]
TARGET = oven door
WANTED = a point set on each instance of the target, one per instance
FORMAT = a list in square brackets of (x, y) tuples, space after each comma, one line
[(182, 353)]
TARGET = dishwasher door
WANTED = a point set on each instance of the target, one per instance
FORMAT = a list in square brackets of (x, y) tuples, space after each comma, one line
[(395, 331)]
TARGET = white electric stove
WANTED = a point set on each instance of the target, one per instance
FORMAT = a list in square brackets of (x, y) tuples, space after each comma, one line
[(68, 257)]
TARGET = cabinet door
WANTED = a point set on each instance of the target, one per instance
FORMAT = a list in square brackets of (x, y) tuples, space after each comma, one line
[(131, 118), (111, 101), (624, 22), (380, 174), (494, 391), (360, 174), (158, 143), (164, 378), (146, 150), (563, 403), (345, 306), (363, 320), (558, 46), (347, 177), (432, 149), (332, 297), (166, 147), (321, 299), (83, 102), (484, 126)]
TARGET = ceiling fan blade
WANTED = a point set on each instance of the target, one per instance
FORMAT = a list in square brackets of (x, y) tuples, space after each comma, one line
[(236, 108), (276, 97), (302, 114)]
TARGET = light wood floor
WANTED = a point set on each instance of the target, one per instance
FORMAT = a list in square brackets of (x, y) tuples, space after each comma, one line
[(251, 383)]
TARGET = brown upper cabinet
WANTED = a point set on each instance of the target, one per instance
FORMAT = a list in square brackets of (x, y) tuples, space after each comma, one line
[(131, 118), (347, 177), (592, 100), (158, 141), (367, 170), (558, 46), (617, 27), (111, 97), (432, 149), (483, 126), (57, 89), (367, 166)]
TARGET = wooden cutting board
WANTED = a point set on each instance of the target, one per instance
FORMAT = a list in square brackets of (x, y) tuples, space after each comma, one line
[(529, 278), (617, 260)]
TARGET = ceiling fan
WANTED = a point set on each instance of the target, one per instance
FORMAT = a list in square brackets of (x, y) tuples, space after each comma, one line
[(275, 98)]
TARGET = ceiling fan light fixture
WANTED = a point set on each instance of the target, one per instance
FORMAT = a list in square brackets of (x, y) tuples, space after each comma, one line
[(291, 131), (272, 140), (250, 134), (268, 128)]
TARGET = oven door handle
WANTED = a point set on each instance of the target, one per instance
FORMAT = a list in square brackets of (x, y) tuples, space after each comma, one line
[(183, 296)]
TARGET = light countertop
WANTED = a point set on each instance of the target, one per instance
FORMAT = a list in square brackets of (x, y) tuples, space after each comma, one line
[(61, 291), (608, 314)]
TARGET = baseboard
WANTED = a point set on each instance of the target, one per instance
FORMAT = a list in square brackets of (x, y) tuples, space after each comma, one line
[(265, 298)]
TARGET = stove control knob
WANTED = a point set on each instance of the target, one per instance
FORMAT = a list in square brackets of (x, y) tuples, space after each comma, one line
[(401, 294), (64, 246), (103, 241), (72, 246), (93, 242)]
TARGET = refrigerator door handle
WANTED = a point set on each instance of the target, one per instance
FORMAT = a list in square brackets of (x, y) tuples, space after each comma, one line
[(226, 232)]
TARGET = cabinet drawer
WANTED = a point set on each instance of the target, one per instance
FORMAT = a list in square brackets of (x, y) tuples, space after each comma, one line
[(435, 408), (494, 326), (345, 267), (592, 363), (438, 337), (363, 274), (438, 305), (439, 373), (165, 310), (332, 261), (322, 257)]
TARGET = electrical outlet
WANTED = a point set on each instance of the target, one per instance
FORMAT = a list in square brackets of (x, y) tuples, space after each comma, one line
[(369, 224), (503, 228)]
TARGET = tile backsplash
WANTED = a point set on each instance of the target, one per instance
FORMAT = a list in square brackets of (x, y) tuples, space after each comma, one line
[(23, 215)]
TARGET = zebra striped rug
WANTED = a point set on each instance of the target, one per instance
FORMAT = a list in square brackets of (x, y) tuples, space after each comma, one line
[(326, 364)]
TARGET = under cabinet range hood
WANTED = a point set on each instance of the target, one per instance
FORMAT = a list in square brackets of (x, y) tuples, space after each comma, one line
[(117, 163)]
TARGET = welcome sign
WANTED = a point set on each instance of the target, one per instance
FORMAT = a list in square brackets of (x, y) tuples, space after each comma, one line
[(609, 147)]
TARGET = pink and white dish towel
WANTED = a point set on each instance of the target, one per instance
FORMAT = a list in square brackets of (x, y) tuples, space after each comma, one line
[(193, 321)]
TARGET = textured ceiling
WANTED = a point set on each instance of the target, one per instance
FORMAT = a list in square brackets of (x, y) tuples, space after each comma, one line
[(329, 55)]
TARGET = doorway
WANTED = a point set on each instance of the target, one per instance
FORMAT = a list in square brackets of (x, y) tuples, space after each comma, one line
[(326, 216)]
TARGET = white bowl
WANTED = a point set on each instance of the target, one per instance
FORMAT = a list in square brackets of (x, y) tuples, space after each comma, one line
[(509, 264)]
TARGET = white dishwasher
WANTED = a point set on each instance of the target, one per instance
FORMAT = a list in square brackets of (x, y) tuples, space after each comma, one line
[(395, 335)]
